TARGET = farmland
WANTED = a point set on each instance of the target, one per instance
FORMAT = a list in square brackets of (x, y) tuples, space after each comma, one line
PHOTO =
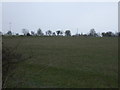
[(64, 62)]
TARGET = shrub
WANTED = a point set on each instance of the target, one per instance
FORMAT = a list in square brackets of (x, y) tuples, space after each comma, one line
[(9, 60)]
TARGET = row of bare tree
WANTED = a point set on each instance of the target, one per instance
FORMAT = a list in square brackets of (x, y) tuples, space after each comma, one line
[(66, 33), (47, 33)]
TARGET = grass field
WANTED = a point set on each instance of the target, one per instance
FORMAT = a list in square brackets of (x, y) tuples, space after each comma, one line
[(65, 62)]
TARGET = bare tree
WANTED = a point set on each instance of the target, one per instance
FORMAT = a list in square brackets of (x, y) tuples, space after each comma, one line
[(61, 33), (49, 32), (32, 33), (39, 32), (92, 32), (53, 34), (67, 33), (25, 31), (9, 33), (108, 34), (17, 34), (58, 32)]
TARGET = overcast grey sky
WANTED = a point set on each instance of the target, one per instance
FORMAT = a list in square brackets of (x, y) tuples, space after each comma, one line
[(102, 16)]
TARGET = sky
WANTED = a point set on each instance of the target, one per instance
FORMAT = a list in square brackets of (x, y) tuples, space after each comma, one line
[(102, 16)]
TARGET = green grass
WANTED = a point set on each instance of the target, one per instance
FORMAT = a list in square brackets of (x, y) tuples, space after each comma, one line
[(65, 62)]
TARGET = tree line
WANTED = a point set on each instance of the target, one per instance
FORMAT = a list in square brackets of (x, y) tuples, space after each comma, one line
[(39, 32)]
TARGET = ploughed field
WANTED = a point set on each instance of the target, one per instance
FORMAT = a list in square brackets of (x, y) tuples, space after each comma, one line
[(64, 62)]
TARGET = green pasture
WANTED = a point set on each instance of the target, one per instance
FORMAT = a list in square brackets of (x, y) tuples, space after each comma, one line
[(64, 62)]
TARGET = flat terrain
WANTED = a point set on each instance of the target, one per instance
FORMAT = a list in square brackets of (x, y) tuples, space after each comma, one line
[(65, 62)]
